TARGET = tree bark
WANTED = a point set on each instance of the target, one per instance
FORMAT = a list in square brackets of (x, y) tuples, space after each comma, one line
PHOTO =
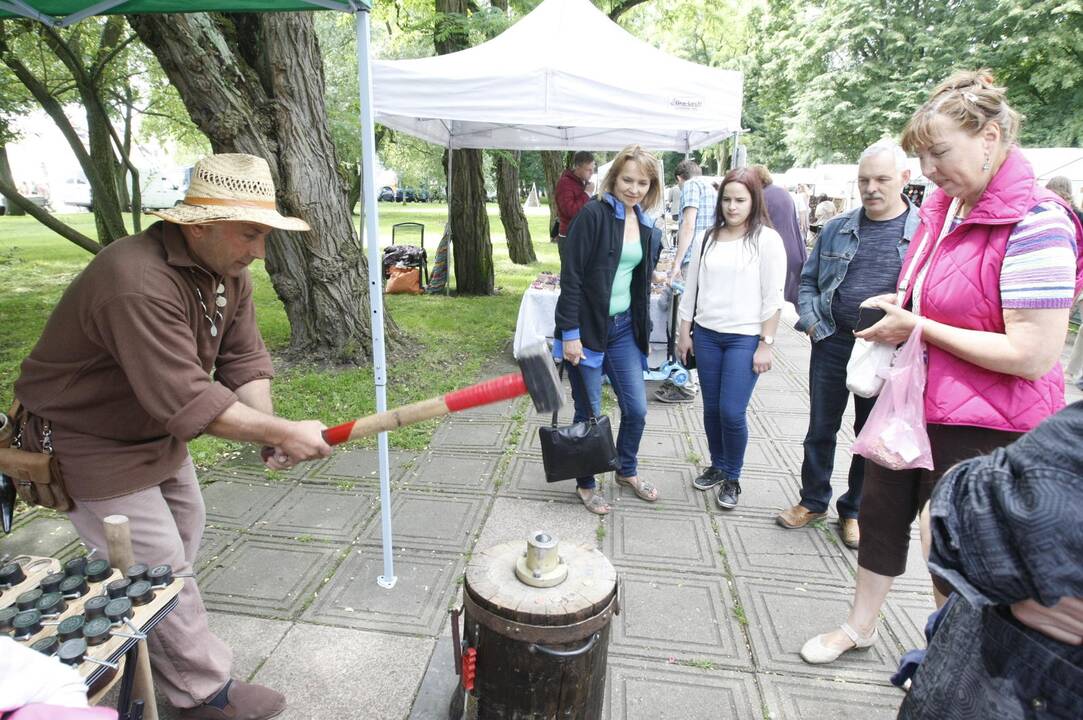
[(254, 84), (553, 164), (472, 252), (107, 208), (472, 248), (516, 230), (7, 178)]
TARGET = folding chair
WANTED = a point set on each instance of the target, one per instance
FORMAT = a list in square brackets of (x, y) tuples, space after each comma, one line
[(407, 253)]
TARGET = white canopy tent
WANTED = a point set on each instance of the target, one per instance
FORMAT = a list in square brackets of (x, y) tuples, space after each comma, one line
[(538, 86)]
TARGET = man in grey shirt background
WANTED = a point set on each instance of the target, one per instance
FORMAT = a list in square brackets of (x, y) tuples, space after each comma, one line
[(858, 255)]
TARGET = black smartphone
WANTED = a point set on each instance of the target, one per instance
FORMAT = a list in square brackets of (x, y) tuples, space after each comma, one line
[(867, 317)]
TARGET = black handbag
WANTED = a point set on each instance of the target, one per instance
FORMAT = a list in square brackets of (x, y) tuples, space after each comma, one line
[(578, 450)]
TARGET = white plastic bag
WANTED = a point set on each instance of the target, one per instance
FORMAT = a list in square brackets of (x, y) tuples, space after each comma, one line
[(868, 366)]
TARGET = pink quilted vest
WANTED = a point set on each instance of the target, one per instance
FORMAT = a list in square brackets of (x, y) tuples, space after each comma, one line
[(962, 288)]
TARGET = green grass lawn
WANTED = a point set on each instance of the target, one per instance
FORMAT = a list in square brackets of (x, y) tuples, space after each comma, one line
[(455, 336)]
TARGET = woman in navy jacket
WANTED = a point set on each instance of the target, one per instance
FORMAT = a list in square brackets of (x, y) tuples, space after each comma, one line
[(603, 314)]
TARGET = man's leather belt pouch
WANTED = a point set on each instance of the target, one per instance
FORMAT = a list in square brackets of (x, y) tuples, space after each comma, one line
[(37, 478)]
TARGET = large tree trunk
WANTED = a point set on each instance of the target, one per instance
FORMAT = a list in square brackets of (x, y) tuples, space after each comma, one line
[(553, 164), (516, 230), (472, 249), (254, 84)]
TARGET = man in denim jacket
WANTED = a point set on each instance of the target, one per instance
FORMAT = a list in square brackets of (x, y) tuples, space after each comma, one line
[(858, 255)]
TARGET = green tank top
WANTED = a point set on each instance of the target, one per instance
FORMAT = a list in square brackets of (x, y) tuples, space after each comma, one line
[(620, 299)]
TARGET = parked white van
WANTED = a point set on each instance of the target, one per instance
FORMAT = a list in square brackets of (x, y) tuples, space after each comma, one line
[(165, 188)]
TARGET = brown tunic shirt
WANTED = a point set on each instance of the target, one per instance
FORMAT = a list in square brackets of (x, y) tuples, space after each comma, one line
[(127, 370)]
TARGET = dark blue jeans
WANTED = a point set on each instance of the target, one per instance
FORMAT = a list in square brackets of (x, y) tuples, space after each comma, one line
[(827, 397), (623, 365), (726, 380)]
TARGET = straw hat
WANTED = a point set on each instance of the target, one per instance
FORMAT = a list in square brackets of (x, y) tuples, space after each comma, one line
[(231, 187)]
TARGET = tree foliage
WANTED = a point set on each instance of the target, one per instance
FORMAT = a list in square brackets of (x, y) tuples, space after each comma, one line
[(828, 78)]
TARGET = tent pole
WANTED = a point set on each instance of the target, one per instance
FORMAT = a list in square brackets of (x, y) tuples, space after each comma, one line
[(736, 144), (371, 233), (450, 239)]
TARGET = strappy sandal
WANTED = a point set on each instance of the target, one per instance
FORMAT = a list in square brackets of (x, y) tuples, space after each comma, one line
[(644, 489), (595, 502)]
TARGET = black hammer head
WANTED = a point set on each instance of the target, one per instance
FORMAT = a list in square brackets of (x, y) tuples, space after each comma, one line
[(540, 376)]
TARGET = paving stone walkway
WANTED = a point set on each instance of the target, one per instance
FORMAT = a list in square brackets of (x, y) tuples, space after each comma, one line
[(716, 604)]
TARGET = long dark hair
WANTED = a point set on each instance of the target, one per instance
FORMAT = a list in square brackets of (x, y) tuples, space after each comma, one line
[(757, 214)]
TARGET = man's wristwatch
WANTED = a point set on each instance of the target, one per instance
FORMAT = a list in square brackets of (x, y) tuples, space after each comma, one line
[(767, 340)]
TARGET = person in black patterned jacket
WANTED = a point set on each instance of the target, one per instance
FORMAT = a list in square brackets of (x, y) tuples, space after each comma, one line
[(1004, 530)]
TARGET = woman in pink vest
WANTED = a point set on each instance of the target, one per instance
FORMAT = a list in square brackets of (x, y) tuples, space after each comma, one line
[(992, 272)]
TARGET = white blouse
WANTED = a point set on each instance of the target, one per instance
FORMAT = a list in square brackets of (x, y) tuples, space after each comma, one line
[(738, 287)]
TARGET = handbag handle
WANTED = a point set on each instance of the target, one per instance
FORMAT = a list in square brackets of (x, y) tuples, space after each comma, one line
[(593, 418)]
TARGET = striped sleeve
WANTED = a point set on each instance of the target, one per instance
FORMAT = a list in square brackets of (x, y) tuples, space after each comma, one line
[(1040, 261)]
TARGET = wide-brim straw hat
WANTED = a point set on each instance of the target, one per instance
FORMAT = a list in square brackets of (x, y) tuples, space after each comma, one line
[(231, 187)]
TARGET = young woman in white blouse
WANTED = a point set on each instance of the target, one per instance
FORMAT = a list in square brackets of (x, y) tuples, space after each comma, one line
[(729, 314)]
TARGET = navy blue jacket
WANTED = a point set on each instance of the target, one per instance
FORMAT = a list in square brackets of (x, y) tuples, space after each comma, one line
[(588, 266)]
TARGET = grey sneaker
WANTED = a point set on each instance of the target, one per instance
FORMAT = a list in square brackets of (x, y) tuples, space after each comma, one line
[(727, 494), (670, 393), (708, 479)]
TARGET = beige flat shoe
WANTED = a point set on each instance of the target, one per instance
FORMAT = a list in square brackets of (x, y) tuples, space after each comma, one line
[(817, 652)]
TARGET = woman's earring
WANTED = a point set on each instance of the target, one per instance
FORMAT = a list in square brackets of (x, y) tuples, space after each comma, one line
[(985, 167)]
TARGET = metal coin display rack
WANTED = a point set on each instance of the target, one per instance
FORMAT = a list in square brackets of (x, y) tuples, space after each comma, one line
[(86, 614)]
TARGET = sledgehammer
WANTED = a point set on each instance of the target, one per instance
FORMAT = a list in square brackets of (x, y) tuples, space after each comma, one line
[(536, 376)]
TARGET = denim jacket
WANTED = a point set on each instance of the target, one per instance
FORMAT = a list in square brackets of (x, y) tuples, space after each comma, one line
[(827, 264)]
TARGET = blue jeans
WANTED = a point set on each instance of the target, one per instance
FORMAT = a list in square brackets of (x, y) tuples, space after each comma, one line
[(623, 365), (726, 380), (827, 398)]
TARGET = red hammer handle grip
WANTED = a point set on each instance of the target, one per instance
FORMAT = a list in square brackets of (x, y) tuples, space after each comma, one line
[(504, 387), (332, 436)]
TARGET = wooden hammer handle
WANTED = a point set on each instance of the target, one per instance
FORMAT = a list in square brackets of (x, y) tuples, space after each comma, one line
[(385, 421)]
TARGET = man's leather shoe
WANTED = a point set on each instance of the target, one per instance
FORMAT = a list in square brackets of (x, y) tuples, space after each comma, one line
[(849, 532), (797, 517), (246, 702)]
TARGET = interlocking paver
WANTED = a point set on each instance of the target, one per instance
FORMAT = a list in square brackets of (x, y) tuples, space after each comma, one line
[(757, 547), (431, 520), (238, 504), (637, 690), (266, 577), (651, 537), (471, 434), (454, 471), (906, 614), (320, 512), (771, 491), (338, 673), (361, 464), (781, 617), (677, 615), (674, 483), (52, 536), (215, 542), (797, 698), (418, 604), (512, 519)]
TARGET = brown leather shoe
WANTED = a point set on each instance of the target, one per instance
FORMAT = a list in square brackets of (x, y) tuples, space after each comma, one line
[(246, 702), (797, 517), (849, 532)]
